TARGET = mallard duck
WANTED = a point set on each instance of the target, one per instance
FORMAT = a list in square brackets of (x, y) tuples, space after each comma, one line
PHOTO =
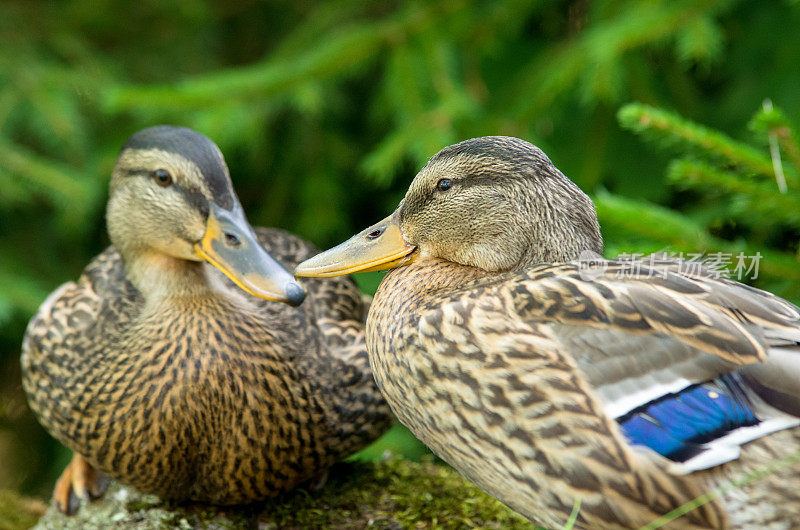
[(546, 375), (168, 365)]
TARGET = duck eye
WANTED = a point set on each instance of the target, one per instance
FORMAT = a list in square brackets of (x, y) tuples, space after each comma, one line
[(163, 177), (444, 184)]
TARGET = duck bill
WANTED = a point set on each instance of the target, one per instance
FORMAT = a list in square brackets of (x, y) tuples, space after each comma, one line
[(231, 246), (379, 247)]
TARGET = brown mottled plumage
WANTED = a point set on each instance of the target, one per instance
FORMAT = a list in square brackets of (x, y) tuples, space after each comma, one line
[(517, 364), (161, 372)]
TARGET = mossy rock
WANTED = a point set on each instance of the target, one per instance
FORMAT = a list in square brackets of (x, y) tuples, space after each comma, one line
[(393, 494)]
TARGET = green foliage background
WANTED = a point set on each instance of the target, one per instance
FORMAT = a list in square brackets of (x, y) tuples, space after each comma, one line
[(325, 111)]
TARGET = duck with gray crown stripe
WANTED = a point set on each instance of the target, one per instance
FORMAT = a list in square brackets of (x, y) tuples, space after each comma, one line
[(545, 385), (186, 361)]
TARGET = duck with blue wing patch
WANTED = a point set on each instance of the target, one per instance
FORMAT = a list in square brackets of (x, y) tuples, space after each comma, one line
[(703, 425), (636, 387)]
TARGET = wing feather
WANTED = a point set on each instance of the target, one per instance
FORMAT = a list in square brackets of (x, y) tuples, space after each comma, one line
[(637, 337)]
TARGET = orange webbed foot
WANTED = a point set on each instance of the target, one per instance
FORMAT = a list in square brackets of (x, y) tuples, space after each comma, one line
[(79, 482)]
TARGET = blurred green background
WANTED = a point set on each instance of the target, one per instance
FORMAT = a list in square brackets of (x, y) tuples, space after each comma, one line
[(326, 110)]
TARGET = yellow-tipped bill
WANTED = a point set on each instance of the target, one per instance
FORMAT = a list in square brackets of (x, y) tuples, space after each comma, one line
[(230, 245), (379, 247)]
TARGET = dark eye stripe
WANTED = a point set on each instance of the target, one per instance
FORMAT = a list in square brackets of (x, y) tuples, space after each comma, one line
[(138, 172), (194, 197)]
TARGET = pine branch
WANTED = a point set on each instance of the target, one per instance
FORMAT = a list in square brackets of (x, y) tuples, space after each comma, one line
[(674, 130), (58, 182), (761, 196), (650, 220), (701, 41), (381, 163), (585, 62), (774, 121), (675, 230), (345, 49), (350, 48)]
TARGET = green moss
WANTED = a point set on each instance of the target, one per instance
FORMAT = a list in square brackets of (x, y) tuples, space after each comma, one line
[(18, 512), (390, 494)]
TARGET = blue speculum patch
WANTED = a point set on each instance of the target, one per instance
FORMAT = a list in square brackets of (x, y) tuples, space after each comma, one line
[(676, 425)]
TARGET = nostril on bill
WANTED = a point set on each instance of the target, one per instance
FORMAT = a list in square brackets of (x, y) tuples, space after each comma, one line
[(232, 240), (374, 234), (295, 294)]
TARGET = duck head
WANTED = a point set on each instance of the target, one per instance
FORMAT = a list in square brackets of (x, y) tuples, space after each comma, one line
[(171, 204), (496, 203)]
